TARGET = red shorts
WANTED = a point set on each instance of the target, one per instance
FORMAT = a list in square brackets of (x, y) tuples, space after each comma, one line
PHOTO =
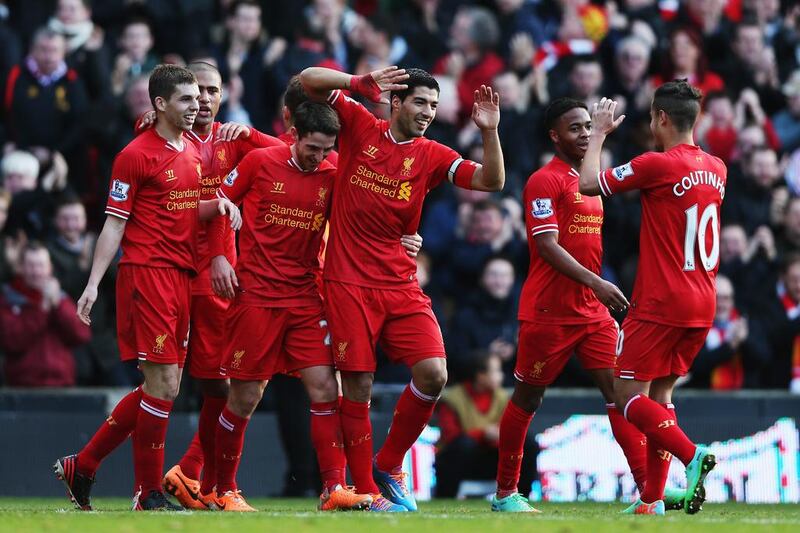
[(648, 350), (401, 321), (207, 336), (544, 349), (263, 341), (153, 314)]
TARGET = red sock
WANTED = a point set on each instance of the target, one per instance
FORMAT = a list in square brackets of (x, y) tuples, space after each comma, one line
[(513, 430), (357, 432), (660, 427), (229, 444), (207, 431), (633, 444), (148, 449), (413, 411), (658, 461), (192, 461), (111, 434), (326, 435)]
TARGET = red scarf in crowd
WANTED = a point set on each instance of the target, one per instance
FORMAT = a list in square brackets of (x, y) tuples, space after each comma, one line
[(730, 374), (792, 311)]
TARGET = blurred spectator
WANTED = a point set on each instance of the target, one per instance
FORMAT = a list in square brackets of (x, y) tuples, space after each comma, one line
[(45, 104), (241, 61), (787, 121), (487, 318), (336, 21), (686, 60), (472, 62), (718, 128), (780, 316), (469, 416), (489, 232), (424, 25), (748, 264), (586, 79), (628, 86), (445, 220), (753, 65), (735, 352), (789, 238), (432, 292), (136, 55), (85, 51), (380, 47), (519, 17), (519, 122), (10, 46), (39, 325), (749, 201)]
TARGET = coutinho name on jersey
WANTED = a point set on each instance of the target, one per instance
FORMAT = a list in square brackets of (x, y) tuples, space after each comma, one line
[(381, 183), (699, 177)]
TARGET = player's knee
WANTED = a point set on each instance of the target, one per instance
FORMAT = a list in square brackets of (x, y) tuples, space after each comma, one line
[(527, 397), (323, 389), (357, 386), (432, 381), (244, 397)]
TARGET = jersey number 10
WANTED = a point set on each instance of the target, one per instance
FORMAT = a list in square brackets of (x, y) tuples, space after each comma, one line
[(696, 233)]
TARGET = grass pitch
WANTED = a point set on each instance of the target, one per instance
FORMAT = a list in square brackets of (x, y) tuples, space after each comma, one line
[(442, 516)]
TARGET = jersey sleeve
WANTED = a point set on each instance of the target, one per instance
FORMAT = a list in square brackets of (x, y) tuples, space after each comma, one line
[(541, 201), (126, 177), (639, 173), (449, 165), (353, 116), (239, 180)]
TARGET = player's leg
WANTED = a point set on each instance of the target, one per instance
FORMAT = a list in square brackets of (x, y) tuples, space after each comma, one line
[(159, 390), (206, 341), (326, 435), (243, 399), (357, 428)]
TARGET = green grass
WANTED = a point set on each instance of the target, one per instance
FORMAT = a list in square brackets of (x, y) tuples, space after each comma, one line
[(443, 516)]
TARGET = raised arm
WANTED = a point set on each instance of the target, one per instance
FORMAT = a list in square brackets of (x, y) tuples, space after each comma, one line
[(491, 176), (318, 82), (603, 123), (104, 252)]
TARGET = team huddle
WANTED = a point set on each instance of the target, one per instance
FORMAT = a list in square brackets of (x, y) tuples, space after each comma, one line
[(326, 271)]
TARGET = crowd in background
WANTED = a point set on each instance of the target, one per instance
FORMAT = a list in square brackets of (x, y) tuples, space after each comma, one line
[(73, 78)]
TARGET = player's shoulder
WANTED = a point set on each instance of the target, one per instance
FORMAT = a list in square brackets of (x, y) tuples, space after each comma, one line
[(269, 154), (552, 173)]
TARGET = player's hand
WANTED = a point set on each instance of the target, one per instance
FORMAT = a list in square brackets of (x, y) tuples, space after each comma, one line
[(486, 109), (610, 295), (230, 131), (223, 277), (412, 244), (603, 121), (147, 120), (85, 303), (379, 81), (227, 208)]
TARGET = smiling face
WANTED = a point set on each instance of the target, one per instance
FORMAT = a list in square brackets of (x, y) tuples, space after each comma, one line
[(415, 112), (571, 133), (182, 107), (312, 148)]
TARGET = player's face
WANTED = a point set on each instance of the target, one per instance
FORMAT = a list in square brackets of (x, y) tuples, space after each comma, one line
[(36, 268), (181, 108), (71, 222), (210, 85), (414, 114), (311, 149), (571, 133)]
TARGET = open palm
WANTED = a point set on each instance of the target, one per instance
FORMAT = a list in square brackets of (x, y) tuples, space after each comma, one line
[(486, 109)]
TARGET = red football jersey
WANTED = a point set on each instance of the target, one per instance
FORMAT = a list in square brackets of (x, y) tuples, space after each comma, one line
[(681, 191), (553, 204), (381, 184), (155, 186), (218, 159), (285, 210)]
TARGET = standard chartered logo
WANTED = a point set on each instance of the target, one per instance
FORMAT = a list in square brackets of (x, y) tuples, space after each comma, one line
[(382, 184), (319, 220), (405, 191)]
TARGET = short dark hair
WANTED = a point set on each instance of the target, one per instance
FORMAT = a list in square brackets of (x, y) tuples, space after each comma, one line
[(33, 246), (557, 108), (311, 117), (487, 205), (165, 78), (294, 95), (67, 198), (416, 78), (479, 362), (234, 7), (680, 101)]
